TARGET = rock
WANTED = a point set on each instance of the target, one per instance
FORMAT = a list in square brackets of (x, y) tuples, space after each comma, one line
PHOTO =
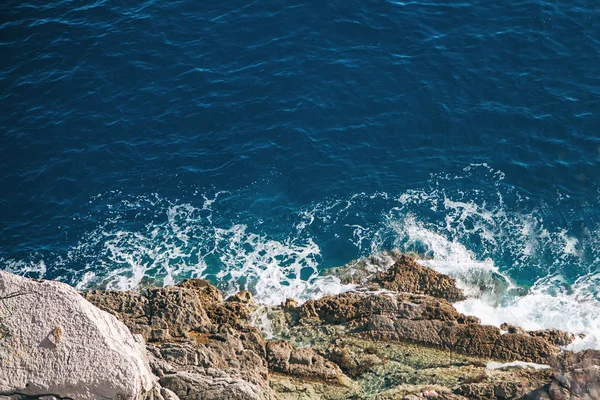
[(177, 309), (290, 304), (199, 344), (473, 339), (207, 292), (55, 343), (485, 391), (577, 377), (360, 271), (425, 320), (244, 297), (512, 329), (129, 307), (168, 394), (352, 363), (554, 336), (347, 307), (193, 305), (215, 366), (213, 384), (304, 362), (406, 275), (406, 341)]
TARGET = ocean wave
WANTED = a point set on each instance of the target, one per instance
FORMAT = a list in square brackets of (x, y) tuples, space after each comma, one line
[(516, 261)]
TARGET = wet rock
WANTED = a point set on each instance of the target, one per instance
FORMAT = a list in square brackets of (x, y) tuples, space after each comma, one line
[(512, 329), (554, 336), (244, 297), (398, 337), (290, 304), (425, 320), (351, 362), (407, 275)]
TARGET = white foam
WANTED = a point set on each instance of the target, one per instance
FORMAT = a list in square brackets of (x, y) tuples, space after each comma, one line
[(29, 268), (460, 233), (550, 303), (274, 270), (492, 365)]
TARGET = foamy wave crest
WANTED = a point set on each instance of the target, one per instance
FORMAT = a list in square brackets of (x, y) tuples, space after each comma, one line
[(274, 270), (518, 261), (550, 303), (178, 241), (31, 268)]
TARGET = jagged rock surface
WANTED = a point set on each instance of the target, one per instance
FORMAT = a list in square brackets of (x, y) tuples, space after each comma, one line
[(407, 275), (577, 377), (403, 340), (200, 346)]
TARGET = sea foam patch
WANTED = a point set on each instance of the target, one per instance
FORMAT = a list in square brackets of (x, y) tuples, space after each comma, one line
[(516, 260)]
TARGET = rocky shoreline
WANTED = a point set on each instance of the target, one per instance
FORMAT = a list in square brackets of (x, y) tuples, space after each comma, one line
[(396, 337)]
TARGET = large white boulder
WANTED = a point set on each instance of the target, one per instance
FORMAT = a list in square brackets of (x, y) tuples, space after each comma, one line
[(54, 342)]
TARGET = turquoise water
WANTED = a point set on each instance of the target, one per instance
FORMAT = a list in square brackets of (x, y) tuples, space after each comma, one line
[(257, 144)]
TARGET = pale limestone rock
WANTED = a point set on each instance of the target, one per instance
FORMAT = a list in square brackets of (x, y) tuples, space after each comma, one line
[(54, 342)]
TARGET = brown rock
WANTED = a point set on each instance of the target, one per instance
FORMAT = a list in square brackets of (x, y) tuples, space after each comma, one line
[(207, 292), (304, 362), (554, 336), (512, 329), (200, 346), (524, 348), (130, 307), (472, 339), (494, 390), (406, 275), (244, 297), (347, 307), (351, 363), (290, 304), (176, 308), (577, 377)]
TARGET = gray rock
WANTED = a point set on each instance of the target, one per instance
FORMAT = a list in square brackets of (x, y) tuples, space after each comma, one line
[(54, 342), (212, 384)]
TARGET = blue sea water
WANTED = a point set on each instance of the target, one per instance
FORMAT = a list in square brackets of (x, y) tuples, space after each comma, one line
[(258, 143)]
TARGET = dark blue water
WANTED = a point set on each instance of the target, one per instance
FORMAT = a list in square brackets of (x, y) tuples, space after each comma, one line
[(258, 143)]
